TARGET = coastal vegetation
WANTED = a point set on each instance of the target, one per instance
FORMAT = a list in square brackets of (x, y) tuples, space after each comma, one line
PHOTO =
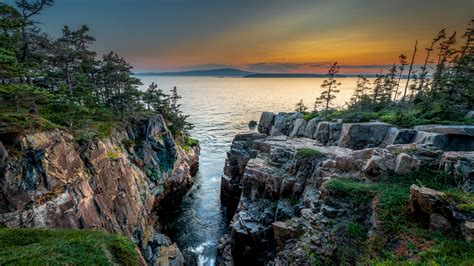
[(440, 91), (21, 246), (49, 83), (391, 198)]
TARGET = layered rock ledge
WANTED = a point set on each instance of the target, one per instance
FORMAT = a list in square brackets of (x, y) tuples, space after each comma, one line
[(274, 186), (119, 184)]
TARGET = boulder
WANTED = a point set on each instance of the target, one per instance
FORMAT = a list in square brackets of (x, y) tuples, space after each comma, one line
[(398, 136), (470, 114), (467, 230), (447, 137), (363, 135), (461, 166), (328, 133), (427, 200), (439, 222), (298, 128), (253, 124), (465, 130), (311, 128), (282, 232), (433, 208), (283, 124), (266, 122), (404, 164)]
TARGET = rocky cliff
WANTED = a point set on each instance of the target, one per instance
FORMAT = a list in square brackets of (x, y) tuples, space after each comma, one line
[(120, 184), (316, 192)]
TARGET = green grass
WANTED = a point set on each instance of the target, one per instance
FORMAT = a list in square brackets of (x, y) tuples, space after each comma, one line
[(189, 142), (113, 155), (394, 194), (356, 230), (309, 116), (401, 117), (393, 213), (24, 123), (64, 247), (308, 152)]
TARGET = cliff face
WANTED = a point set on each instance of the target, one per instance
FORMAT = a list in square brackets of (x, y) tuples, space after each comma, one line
[(118, 184), (326, 193)]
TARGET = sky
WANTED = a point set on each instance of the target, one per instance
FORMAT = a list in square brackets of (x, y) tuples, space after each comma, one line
[(290, 36)]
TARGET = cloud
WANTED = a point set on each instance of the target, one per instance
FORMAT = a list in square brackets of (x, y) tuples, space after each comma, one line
[(204, 67), (366, 66)]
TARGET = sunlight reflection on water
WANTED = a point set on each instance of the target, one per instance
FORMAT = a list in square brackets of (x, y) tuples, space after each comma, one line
[(220, 108)]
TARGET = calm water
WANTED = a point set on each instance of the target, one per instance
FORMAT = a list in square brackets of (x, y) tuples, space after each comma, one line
[(220, 108)]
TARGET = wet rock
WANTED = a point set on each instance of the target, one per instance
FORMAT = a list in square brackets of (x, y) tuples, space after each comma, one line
[(266, 122), (363, 135), (253, 124)]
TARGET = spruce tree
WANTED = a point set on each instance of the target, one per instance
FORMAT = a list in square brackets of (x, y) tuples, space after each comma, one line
[(330, 88)]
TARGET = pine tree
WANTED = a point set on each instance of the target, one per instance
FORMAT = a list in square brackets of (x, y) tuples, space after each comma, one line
[(410, 72), (424, 71), (330, 88), (300, 107), (179, 123), (360, 94), (29, 9), (403, 62), (389, 83)]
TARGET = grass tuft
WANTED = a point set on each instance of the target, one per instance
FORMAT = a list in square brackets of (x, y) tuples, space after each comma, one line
[(64, 247)]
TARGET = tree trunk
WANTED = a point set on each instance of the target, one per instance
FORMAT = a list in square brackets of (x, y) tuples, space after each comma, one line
[(409, 72)]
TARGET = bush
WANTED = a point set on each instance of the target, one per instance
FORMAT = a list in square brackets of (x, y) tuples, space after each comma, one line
[(24, 123), (356, 230), (308, 152), (189, 142)]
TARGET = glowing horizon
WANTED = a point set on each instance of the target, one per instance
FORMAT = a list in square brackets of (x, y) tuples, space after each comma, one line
[(260, 36)]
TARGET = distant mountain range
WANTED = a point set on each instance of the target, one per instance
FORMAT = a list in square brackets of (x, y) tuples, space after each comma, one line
[(222, 72), (233, 72)]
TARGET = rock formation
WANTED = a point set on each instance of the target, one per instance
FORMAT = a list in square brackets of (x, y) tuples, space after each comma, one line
[(119, 184), (282, 214)]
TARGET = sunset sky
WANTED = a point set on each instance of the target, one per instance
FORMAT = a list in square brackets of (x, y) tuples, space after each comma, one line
[(260, 35)]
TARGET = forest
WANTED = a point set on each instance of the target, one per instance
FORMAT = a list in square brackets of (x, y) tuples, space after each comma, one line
[(49, 83)]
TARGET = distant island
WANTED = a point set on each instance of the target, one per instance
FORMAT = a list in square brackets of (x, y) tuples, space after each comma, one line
[(222, 72), (288, 75), (234, 72)]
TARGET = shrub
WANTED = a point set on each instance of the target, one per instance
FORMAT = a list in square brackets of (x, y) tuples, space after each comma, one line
[(356, 230), (189, 142), (308, 152), (113, 155)]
